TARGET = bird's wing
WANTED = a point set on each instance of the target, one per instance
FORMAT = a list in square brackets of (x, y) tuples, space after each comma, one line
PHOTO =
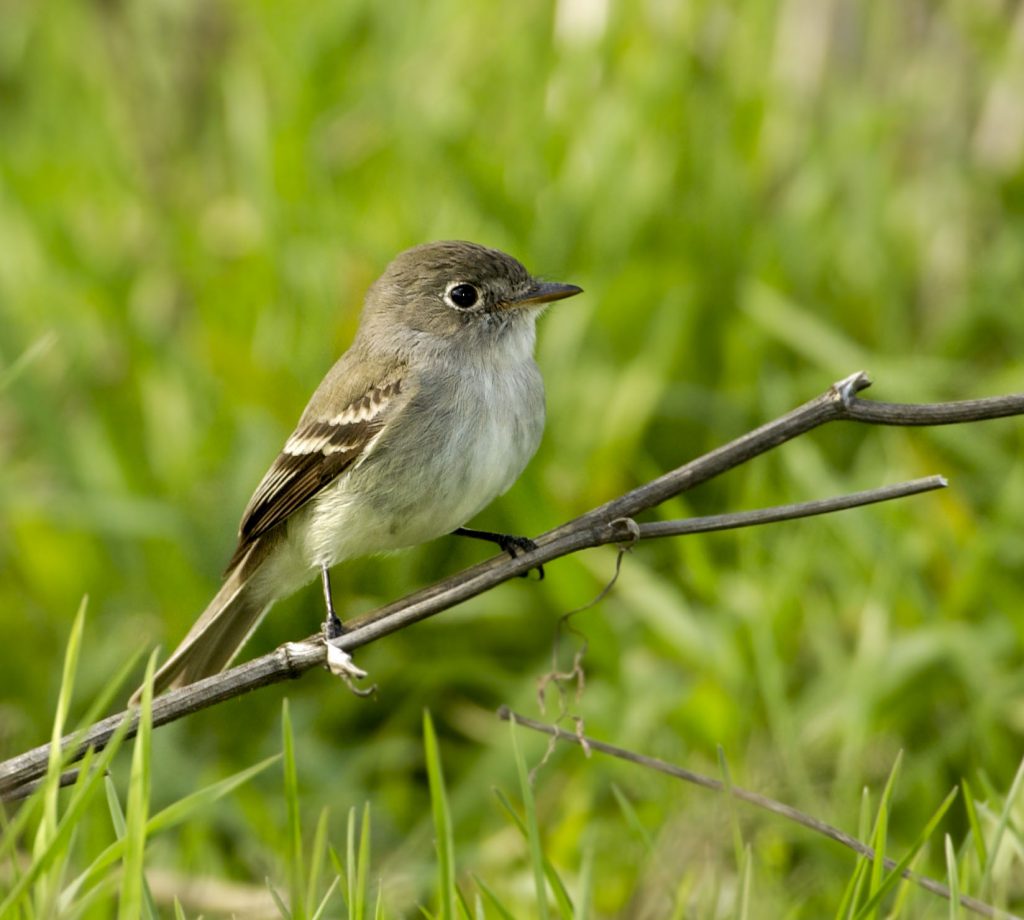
[(318, 451)]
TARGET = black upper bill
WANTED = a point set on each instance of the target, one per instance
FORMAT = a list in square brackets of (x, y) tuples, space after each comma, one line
[(545, 292)]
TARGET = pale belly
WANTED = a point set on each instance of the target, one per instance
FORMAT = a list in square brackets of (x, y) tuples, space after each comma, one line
[(437, 472)]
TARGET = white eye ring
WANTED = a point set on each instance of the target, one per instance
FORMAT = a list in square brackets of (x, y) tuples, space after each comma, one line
[(461, 295)]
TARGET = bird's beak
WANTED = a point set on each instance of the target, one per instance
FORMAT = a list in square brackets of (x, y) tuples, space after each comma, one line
[(545, 292)]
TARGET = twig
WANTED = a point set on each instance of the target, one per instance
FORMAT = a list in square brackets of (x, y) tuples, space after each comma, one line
[(67, 778), (773, 515), (602, 525), (752, 798)]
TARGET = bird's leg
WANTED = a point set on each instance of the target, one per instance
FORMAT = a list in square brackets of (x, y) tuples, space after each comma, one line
[(510, 543), (339, 662), (332, 625)]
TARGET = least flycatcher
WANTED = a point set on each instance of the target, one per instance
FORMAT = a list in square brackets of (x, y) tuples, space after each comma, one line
[(431, 413)]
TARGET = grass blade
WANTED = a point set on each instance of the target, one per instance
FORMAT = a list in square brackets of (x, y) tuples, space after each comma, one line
[(952, 879), (322, 906), (83, 792), (502, 911), (131, 900), (174, 814), (632, 818), (730, 803), (896, 875), (278, 900), (291, 796), (363, 870), (554, 880), (317, 851), (55, 763), (977, 832), (120, 828), (530, 826), (880, 833), (585, 899), (442, 821), (743, 901), (357, 869), (1001, 825)]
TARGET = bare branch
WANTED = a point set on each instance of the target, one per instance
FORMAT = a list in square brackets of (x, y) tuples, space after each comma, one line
[(752, 798), (778, 513), (949, 413), (608, 523)]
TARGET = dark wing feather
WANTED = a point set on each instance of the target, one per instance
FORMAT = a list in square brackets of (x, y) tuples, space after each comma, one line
[(316, 454)]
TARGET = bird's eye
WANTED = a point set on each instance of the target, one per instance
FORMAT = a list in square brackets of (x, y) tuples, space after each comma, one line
[(462, 295)]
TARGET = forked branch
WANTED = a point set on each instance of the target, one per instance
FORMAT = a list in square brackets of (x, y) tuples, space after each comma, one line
[(611, 522)]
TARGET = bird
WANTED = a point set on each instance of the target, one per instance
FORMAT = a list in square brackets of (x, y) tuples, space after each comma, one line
[(432, 412)]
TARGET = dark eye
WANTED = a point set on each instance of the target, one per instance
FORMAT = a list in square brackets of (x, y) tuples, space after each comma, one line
[(462, 296)]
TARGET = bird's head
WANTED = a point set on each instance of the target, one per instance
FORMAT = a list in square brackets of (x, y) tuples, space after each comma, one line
[(459, 291)]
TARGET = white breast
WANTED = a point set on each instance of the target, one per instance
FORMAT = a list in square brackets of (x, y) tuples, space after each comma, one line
[(463, 440), (499, 430)]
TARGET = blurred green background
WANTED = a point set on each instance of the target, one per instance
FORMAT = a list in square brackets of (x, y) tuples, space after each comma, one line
[(758, 198)]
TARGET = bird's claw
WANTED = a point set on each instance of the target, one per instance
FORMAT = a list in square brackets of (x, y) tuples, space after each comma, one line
[(332, 627), (514, 545), (506, 542)]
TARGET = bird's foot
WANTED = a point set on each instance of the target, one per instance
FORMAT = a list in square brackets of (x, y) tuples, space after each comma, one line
[(514, 545), (509, 543), (332, 627), (339, 662)]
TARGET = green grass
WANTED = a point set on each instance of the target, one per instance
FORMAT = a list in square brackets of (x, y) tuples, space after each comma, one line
[(758, 199), (39, 883)]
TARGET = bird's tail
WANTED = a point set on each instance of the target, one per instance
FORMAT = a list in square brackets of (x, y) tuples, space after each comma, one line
[(217, 635)]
